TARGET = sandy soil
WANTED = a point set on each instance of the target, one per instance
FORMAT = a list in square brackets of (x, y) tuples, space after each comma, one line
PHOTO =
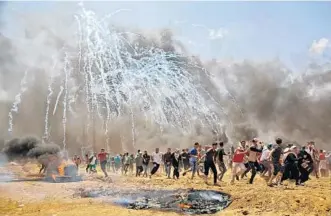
[(42, 198)]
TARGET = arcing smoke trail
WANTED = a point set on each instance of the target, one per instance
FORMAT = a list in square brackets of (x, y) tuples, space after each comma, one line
[(17, 101)]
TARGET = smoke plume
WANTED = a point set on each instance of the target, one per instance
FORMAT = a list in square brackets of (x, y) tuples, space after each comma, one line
[(28, 147), (250, 99)]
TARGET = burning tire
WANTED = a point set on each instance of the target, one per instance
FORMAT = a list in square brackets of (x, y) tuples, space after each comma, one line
[(63, 173)]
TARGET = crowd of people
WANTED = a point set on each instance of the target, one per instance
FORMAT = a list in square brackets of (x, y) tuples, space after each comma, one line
[(272, 161)]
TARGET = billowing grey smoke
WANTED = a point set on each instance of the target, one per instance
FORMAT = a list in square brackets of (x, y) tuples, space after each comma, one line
[(28, 147), (268, 103), (251, 99)]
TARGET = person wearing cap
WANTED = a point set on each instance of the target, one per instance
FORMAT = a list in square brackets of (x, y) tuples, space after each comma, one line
[(275, 155), (291, 170)]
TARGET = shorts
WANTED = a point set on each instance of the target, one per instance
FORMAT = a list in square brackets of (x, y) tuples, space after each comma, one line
[(277, 168)]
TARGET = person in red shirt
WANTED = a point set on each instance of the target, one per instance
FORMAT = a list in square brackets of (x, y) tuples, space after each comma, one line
[(238, 166), (323, 164), (102, 156)]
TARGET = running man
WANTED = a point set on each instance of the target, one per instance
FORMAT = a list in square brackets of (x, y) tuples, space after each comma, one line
[(102, 156), (210, 158), (157, 160), (275, 155), (193, 160)]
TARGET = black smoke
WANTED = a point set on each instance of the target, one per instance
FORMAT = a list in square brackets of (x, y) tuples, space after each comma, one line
[(28, 147)]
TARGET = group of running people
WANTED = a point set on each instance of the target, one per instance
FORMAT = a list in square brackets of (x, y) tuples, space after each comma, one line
[(272, 161)]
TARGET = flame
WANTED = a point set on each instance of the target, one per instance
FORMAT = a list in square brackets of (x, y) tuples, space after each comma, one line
[(61, 167), (183, 205)]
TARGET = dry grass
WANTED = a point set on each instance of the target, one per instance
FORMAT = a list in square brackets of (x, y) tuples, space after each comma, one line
[(256, 199)]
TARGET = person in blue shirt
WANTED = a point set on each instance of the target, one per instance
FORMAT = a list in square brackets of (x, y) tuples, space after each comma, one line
[(117, 161), (193, 153)]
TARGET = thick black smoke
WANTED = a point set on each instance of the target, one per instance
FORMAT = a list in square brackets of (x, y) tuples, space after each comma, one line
[(28, 147)]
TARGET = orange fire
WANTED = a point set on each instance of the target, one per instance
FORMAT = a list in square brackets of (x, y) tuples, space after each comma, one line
[(61, 167), (183, 205)]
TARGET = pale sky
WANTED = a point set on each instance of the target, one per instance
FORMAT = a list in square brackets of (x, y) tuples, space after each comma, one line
[(290, 31)]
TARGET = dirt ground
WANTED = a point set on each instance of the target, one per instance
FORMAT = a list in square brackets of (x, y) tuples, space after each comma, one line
[(31, 198)]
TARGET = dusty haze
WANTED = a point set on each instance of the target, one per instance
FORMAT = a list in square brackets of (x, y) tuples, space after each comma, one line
[(252, 99)]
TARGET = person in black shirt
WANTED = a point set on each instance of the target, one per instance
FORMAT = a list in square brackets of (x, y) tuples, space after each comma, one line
[(291, 166), (186, 159), (275, 160), (167, 162), (305, 165), (175, 160), (146, 160), (210, 158)]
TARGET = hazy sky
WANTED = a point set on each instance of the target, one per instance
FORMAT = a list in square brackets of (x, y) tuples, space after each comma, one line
[(238, 30)]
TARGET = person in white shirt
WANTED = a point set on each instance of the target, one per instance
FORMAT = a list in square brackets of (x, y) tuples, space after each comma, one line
[(265, 160), (157, 159), (93, 164)]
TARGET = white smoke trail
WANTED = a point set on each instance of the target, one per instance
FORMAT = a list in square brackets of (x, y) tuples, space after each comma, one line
[(17, 101), (48, 99), (67, 72), (58, 99)]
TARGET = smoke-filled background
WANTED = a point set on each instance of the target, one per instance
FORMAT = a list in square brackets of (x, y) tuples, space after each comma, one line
[(74, 78)]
